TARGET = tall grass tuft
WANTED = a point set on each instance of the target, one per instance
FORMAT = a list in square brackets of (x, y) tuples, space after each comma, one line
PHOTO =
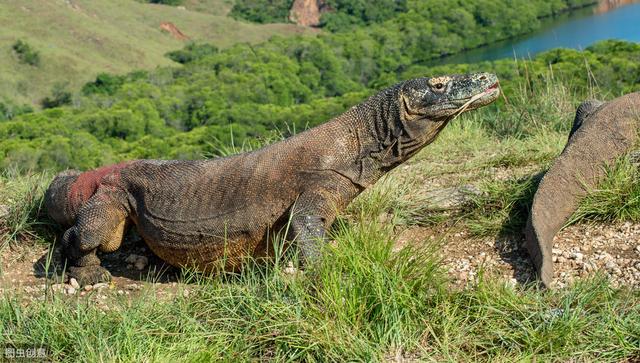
[(21, 197), (616, 198)]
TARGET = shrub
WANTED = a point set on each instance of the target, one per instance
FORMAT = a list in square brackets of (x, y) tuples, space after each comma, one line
[(60, 97), (192, 52), (26, 53), (262, 11), (166, 2)]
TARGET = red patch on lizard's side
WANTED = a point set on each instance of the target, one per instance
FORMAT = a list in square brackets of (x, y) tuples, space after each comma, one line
[(88, 182)]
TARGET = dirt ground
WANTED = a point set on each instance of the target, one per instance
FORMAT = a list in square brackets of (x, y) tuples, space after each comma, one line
[(579, 251)]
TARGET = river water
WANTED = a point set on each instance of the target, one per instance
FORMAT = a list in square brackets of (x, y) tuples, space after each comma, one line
[(577, 30)]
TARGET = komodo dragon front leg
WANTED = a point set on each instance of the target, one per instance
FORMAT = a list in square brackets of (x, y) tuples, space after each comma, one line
[(314, 213), (100, 225)]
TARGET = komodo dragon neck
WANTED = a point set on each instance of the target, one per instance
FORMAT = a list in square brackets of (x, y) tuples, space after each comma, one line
[(372, 137)]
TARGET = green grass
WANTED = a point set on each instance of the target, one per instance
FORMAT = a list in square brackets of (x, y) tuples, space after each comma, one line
[(22, 198), (78, 39), (616, 198), (363, 303)]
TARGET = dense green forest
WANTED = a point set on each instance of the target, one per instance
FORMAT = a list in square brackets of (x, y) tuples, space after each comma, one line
[(223, 100), (233, 97)]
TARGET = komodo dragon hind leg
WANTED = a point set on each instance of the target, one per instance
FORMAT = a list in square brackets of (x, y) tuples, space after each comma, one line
[(100, 224)]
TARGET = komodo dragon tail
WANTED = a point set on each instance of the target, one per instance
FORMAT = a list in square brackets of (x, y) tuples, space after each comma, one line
[(600, 134), (57, 201)]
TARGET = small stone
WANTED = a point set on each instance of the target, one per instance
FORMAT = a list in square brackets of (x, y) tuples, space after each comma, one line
[(4, 211), (577, 256), (100, 285), (70, 290), (88, 287), (141, 263), (290, 269), (74, 283), (132, 258), (451, 198), (385, 218), (133, 287), (120, 292)]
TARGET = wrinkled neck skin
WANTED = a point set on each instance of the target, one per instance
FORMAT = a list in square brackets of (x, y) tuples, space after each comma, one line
[(386, 135)]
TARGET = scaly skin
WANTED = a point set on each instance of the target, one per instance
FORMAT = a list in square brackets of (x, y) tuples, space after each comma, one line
[(215, 213), (601, 133)]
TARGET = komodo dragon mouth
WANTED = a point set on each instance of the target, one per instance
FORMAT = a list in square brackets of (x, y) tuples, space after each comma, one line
[(478, 100), (444, 98)]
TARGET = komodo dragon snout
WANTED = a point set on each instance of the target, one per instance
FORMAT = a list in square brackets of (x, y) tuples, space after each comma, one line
[(440, 98), (203, 213)]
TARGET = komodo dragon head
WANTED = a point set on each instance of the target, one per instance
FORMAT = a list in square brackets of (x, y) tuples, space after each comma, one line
[(408, 116), (443, 98)]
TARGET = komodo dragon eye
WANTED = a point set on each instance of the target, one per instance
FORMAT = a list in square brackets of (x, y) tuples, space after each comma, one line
[(438, 86)]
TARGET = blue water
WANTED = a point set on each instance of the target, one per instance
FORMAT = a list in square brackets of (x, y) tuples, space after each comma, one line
[(576, 30)]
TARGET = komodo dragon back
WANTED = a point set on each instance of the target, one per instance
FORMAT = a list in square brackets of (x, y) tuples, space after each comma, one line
[(204, 213)]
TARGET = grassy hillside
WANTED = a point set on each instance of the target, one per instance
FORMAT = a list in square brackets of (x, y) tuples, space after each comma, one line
[(77, 39)]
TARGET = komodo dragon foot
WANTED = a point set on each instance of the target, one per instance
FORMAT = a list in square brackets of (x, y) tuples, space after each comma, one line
[(89, 275), (84, 267)]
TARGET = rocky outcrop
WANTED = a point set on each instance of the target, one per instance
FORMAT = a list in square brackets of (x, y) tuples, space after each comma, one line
[(608, 5), (307, 12), (170, 28)]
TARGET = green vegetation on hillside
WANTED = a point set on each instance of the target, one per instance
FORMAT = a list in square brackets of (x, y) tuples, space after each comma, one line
[(346, 13), (450, 25), (25, 53), (273, 89), (78, 39), (263, 11)]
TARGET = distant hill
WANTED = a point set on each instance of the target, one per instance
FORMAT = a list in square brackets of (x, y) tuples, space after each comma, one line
[(77, 39)]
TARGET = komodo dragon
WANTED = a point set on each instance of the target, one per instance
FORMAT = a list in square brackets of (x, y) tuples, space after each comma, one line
[(601, 133), (199, 213)]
